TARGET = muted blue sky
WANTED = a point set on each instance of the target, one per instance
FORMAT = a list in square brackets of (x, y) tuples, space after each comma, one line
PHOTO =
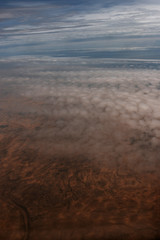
[(93, 29)]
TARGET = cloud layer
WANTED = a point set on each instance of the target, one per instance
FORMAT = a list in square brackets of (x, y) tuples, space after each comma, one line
[(53, 28), (87, 110)]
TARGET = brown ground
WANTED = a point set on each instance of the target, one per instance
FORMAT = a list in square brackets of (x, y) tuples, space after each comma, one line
[(47, 194)]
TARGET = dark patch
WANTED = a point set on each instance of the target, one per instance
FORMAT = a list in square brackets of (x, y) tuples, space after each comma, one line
[(4, 126)]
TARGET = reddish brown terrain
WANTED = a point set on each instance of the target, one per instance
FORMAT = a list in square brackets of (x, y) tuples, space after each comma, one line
[(69, 176)]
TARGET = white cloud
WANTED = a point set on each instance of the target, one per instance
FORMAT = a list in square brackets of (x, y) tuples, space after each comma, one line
[(97, 113), (96, 94), (113, 27)]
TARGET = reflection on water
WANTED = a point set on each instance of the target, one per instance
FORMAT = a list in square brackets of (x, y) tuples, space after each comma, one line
[(79, 150)]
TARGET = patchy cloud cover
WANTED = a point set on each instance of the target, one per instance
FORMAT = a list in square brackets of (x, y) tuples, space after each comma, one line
[(86, 109)]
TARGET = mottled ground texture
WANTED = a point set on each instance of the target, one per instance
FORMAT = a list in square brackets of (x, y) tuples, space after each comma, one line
[(79, 151)]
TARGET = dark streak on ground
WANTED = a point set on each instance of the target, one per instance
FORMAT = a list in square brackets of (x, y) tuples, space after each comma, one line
[(25, 216)]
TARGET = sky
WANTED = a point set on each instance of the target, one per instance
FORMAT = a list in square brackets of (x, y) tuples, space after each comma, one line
[(87, 29), (80, 84)]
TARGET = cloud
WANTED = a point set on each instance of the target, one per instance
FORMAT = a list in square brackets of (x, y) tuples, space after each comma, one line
[(81, 110), (54, 27)]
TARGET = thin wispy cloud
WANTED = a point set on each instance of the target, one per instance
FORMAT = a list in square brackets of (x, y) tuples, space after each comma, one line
[(54, 26)]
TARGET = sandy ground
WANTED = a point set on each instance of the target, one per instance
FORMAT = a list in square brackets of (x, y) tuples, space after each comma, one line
[(79, 154)]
